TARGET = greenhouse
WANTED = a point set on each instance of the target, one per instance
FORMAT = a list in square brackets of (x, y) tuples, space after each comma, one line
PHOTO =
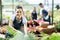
[(29, 20)]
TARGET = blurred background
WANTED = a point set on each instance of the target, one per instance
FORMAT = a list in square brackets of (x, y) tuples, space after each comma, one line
[(8, 7)]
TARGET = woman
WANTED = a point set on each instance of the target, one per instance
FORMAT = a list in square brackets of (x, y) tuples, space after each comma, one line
[(34, 14), (18, 21)]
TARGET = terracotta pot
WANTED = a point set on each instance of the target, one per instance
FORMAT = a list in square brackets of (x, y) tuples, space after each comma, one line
[(48, 31), (44, 25)]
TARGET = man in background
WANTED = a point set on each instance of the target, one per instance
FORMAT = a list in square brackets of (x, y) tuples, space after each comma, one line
[(45, 13)]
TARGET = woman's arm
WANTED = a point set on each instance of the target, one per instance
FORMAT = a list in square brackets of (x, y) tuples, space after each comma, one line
[(25, 25), (48, 13), (10, 24), (25, 28)]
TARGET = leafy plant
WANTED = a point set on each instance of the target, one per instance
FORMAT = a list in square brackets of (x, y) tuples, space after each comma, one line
[(57, 27), (20, 36), (32, 36), (28, 17), (44, 36), (10, 30), (54, 36), (2, 39), (57, 6)]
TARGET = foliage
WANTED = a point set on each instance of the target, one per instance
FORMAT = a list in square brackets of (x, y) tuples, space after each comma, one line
[(2, 39), (54, 36), (57, 27), (20, 36), (10, 30), (27, 17), (57, 6)]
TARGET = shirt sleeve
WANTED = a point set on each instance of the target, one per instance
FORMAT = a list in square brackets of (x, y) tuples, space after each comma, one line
[(24, 20), (46, 8), (31, 11), (40, 11), (12, 17), (36, 11)]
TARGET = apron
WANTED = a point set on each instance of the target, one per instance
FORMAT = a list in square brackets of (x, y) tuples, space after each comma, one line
[(34, 15), (18, 25), (45, 13)]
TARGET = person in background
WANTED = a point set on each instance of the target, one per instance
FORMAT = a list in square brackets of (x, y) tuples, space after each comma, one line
[(18, 21), (34, 14), (45, 13)]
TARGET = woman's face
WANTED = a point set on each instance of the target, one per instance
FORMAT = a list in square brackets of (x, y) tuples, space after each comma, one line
[(34, 8), (19, 13)]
